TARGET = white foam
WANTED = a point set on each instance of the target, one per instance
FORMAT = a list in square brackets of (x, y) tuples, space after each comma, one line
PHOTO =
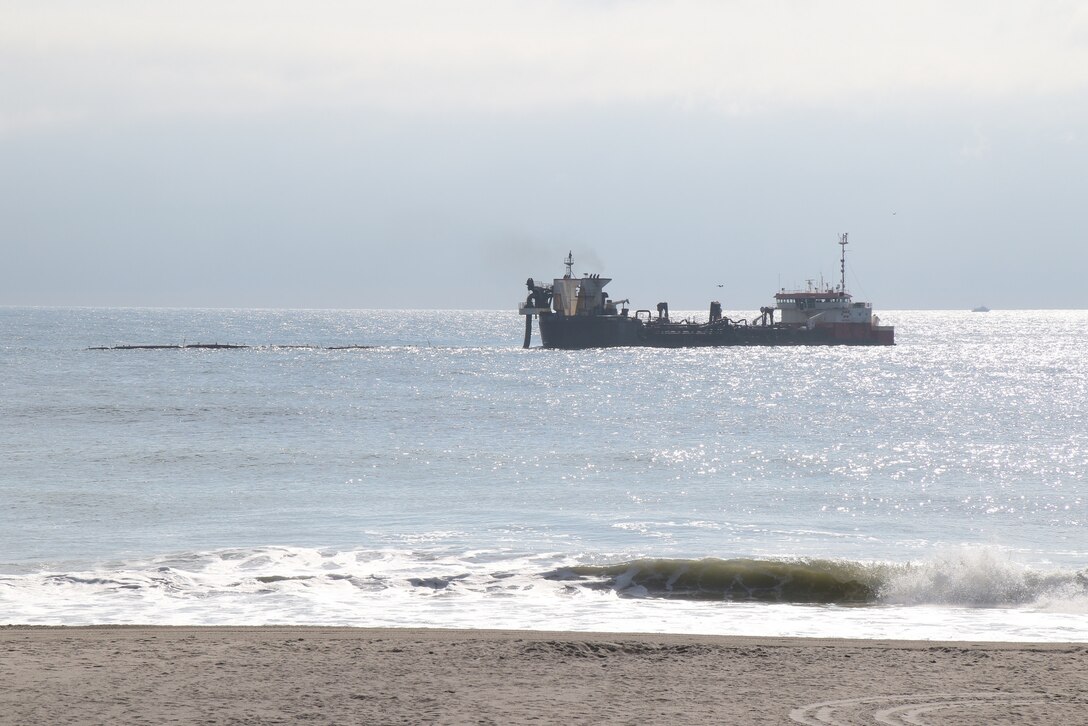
[(983, 577), (475, 589)]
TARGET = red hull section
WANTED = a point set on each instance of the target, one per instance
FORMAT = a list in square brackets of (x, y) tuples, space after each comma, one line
[(847, 333)]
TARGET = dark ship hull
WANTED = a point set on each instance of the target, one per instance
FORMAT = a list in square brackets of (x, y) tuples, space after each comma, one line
[(607, 331)]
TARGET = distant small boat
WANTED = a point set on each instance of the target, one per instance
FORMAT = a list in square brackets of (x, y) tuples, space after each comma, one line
[(980, 309)]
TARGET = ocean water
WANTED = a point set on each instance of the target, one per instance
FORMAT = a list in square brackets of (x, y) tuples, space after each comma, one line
[(445, 477)]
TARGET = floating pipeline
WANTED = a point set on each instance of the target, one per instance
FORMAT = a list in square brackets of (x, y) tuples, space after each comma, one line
[(786, 581), (202, 346), (225, 346)]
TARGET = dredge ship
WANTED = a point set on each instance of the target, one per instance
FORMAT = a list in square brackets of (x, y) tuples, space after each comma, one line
[(576, 313)]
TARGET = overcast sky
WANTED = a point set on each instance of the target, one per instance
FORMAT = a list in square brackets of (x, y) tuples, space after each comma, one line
[(263, 153)]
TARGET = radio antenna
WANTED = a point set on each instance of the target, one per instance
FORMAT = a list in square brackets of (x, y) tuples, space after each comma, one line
[(842, 262)]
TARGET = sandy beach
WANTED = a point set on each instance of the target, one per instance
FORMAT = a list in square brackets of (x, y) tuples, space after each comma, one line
[(273, 675)]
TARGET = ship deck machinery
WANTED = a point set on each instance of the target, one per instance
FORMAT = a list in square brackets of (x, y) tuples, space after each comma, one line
[(576, 313)]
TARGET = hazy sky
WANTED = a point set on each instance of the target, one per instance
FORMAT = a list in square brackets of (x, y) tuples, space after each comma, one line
[(263, 153)]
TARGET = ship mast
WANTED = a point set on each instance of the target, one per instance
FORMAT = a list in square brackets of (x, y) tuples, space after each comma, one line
[(569, 262), (842, 263)]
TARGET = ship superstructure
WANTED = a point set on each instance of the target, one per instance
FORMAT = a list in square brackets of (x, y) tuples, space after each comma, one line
[(832, 308)]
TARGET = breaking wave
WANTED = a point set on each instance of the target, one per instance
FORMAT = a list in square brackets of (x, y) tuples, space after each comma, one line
[(971, 578), (984, 578), (800, 581)]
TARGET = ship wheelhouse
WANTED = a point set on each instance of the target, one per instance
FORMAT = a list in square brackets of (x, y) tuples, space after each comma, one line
[(814, 307)]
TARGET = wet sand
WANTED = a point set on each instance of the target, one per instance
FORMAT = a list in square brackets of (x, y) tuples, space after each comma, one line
[(280, 675)]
